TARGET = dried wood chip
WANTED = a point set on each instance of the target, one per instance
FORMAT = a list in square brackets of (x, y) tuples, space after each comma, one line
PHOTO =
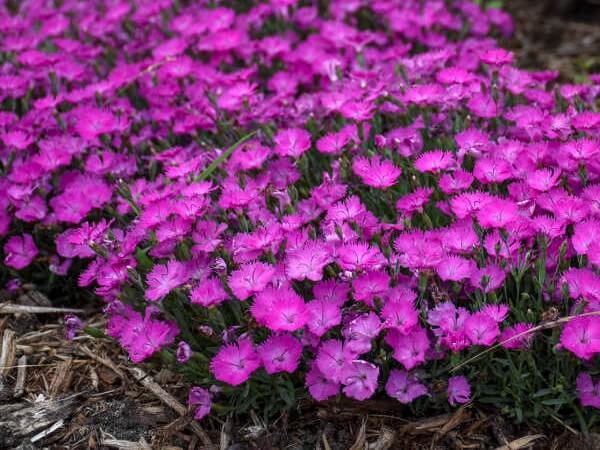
[(21, 420), (385, 440), (21, 375), (28, 309), (520, 443), (62, 378), (7, 352), (361, 437), (146, 380), (126, 445)]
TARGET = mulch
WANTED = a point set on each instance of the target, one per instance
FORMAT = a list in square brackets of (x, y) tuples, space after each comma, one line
[(86, 394)]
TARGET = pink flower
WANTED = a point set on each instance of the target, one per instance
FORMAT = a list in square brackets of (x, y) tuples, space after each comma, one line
[(250, 279), (322, 316), (543, 179), (320, 387), (308, 262), (488, 278), (359, 256), (369, 285), (92, 122), (280, 353), (200, 399), (481, 329), (400, 315), (459, 390), (333, 143), (360, 332), (184, 352), (455, 268), (404, 387), (376, 172), (209, 292), (332, 358), (414, 202), (163, 278), (234, 363), (517, 336), (498, 213), (496, 57), (280, 309), (434, 161), (581, 336), (588, 390), (20, 251), (409, 349), (360, 379), (292, 142)]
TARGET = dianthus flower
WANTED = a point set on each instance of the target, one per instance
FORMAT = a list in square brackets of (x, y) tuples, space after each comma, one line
[(200, 399), (163, 278), (459, 390), (588, 391), (234, 363), (376, 172), (292, 142), (20, 251), (250, 279), (360, 379), (581, 336), (280, 353), (404, 387)]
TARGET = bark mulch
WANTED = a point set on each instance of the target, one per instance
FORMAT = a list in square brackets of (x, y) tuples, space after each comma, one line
[(85, 394)]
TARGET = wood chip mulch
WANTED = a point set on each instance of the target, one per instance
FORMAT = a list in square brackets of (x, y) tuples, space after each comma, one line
[(85, 394)]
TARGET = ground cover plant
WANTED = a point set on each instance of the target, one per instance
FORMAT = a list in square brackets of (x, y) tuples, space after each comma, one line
[(287, 199)]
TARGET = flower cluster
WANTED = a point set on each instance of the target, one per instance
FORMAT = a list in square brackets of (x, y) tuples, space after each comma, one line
[(354, 192)]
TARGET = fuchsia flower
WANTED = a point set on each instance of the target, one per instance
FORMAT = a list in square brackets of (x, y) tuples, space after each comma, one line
[(404, 387), (455, 268), (19, 251), (332, 358), (234, 363), (409, 349), (414, 202), (360, 332), (434, 161), (292, 142), (497, 213), (250, 279), (319, 386), (184, 352), (496, 57), (322, 316), (481, 329), (376, 172), (588, 390), (163, 278), (581, 336), (517, 336), (72, 325), (280, 353), (200, 398), (280, 309), (360, 379), (308, 261), (209, 292), (459, 390)]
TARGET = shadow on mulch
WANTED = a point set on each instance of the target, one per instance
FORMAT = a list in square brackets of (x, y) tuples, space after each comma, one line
[(561, 35), (84, 394)]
